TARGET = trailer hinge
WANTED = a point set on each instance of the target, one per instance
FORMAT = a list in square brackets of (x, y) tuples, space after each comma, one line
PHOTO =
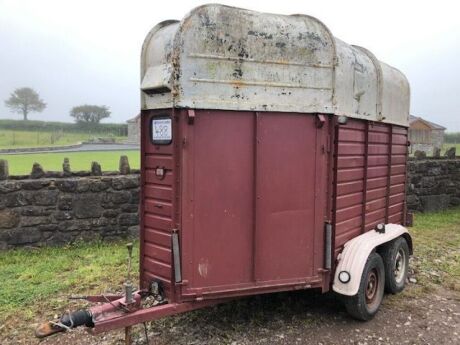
[(191, 116), (184, 282), (176, 256), (320, 120)]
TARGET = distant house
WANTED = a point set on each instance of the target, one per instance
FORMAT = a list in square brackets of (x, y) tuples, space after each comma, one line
[(425, 135), (134, 130)]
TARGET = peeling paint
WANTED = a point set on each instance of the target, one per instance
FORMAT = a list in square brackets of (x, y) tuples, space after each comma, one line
[(217, 51), (203, 267)]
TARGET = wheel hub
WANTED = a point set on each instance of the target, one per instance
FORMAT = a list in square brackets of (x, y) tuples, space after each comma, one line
[(400, 266), (371, 287)]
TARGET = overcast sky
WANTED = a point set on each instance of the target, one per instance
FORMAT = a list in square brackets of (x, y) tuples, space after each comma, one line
[(87, 51)]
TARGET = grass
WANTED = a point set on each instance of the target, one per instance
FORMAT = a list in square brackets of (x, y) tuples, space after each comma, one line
[(17, 139), (40, 280), (437, 249), (21, 164)]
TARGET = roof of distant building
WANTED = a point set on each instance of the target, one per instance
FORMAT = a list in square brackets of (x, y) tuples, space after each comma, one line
[(135, 118)]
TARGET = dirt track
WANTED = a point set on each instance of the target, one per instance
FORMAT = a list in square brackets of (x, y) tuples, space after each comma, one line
[(295, 318)]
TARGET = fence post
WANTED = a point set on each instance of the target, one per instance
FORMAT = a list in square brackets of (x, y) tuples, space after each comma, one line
[(37, 171), (66, 166), (4, 172), (96, 169), (124, 165), (451, 153)]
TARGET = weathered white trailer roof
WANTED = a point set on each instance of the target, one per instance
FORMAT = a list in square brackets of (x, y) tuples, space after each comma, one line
[(221, 57)]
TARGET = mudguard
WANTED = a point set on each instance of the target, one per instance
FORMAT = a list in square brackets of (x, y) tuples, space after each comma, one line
[(355, 253)]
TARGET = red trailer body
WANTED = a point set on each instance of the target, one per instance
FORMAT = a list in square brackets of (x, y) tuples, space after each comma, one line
[(250, 194), (247, 194), (273, 158)]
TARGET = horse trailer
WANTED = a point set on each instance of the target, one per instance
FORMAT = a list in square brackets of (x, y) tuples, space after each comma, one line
[(273, 158)]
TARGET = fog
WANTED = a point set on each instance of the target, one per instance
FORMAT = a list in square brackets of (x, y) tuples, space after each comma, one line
[(81, 52)]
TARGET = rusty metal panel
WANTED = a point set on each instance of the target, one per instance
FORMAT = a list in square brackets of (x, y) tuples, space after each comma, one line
[(156, 66), (220, 57), (256, 61), (395, 87)]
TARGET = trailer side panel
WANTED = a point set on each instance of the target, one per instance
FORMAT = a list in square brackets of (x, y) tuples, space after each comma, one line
[(370, 177)]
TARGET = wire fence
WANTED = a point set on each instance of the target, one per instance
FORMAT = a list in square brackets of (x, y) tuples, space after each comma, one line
[(11, 138)]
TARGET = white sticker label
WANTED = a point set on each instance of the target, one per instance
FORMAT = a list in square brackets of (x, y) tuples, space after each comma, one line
[(161, 130)]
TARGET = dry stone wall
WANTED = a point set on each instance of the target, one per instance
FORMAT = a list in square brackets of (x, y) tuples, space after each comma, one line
[(49, 211), (433, 184), (52, 208)]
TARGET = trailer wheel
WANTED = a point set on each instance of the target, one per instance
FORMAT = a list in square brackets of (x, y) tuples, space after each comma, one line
[(365, 304), (396, 261)]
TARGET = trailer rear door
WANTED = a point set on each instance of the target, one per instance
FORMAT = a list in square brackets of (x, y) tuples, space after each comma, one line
[(254, 201), (285, 207)]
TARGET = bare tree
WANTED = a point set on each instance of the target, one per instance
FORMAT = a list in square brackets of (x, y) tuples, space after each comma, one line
[(89, 113), (25, 100)]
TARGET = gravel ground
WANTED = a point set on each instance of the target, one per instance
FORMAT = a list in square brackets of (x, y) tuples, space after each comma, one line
[(413, 317)]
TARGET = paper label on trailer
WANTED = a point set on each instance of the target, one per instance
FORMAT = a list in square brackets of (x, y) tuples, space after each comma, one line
[(161, 131)]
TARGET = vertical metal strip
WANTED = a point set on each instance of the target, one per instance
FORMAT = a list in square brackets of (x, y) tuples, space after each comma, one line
[(254, 196), (144, 117), (319, 208), (390, 164), (328, 247), (334, 156), (176, 185), (176, 256), (366, 164)]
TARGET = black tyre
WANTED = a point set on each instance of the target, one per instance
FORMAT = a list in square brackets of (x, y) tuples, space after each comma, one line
[(396, 261), (365, 304)]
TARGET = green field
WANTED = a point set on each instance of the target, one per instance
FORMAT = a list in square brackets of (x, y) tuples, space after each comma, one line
[(18, 139), (447, 146), (21, 164)]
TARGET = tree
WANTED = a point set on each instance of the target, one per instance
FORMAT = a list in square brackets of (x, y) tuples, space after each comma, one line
[(89, 113), (25, 100)]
